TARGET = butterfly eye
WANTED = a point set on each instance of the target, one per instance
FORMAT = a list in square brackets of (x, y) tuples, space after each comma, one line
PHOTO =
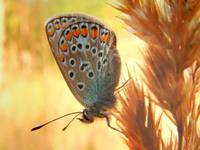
[(50, 29), (63, 44), (56, 23), (64, 22)]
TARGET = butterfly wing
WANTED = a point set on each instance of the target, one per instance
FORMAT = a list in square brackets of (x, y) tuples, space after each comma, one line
[(107, 66), (85, 51)]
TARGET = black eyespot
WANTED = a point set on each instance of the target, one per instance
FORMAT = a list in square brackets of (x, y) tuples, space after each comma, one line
[(80, 86), (99, 65), (79, 46), (104, 61), (62, 41), (94, 50), (66, 32), (74, 28), (90, 74), (108, 74), (100, 54), (83, 66), (64, 20), (49, 26), (73, 48), (83, 26), (87, 46), (94, 28), (73, 19), (71, 74), (56, 21), (102, 33), (72, 62)]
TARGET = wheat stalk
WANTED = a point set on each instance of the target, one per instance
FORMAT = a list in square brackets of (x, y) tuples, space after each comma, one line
[(171, 30)]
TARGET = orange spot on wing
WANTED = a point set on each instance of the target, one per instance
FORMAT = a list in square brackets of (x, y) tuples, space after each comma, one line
[(104, 38), (57, 26), (51, 32), (64, 47), (84, 31), (50, 29), (68, 36), (94, 33), (61, 57), (76, 32)]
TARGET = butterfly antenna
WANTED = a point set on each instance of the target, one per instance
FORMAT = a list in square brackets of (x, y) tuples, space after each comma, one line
[(71, 121), (40, 126)]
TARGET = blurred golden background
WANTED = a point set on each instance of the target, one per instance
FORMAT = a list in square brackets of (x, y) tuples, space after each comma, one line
[(32, 89)]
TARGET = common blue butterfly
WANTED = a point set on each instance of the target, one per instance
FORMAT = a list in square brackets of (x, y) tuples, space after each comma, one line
[(85, 51)]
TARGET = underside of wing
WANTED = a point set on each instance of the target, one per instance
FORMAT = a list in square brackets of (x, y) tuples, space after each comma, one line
[(85, 51)]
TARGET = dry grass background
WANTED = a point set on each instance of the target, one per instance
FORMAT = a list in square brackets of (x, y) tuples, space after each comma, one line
[(32, 89), (170, 79)]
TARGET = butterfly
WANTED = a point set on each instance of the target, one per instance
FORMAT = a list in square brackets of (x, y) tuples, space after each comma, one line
[(85, 51)]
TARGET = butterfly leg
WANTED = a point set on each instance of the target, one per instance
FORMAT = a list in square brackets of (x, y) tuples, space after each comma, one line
[(105, 115)]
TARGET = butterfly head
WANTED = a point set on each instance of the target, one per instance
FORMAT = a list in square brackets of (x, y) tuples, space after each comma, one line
[(87, 116)]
